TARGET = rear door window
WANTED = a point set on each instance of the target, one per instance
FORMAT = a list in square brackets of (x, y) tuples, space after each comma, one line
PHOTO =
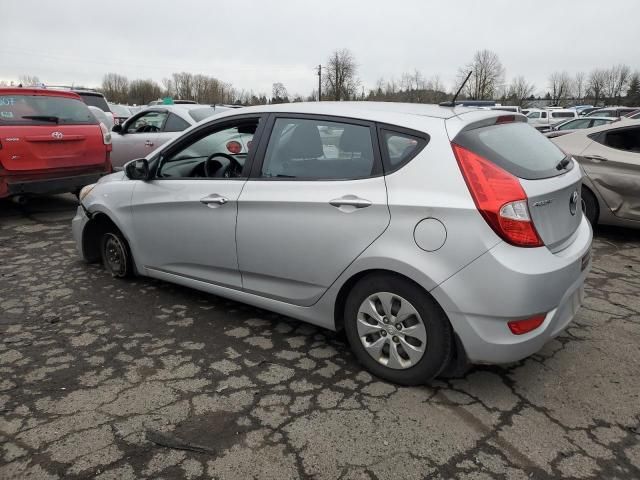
[(516, 147), (319, 149), (44, 110), (175, 124)]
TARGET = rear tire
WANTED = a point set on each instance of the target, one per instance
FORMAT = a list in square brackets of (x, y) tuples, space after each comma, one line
[(116, 255), (591, 208), (412, 354)]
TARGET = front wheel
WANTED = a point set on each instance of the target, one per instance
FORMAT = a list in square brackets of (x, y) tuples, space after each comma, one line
[(116, 256), (396, 330), (591, 210)]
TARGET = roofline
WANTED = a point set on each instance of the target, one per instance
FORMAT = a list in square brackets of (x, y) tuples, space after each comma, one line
[(38, 91)]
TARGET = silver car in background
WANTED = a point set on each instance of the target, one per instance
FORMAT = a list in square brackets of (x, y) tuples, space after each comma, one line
[(610, 158), (152, 127), (432, 235)]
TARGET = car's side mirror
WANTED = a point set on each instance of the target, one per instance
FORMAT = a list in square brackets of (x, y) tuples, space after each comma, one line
[(137, 169), (117, 129)]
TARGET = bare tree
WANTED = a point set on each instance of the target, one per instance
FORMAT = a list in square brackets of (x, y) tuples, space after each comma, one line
[(520, 90), (559, 86), (115, 87), (597, 80), (142, 92), (279, 93), (487, 76), (27, 80), (340, 80), (616, 79), (579, 86)]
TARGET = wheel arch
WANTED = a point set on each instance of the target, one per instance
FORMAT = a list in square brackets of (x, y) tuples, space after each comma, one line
[(99, 223)]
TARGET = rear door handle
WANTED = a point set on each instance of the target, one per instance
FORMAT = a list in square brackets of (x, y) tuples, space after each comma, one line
[(148, 143), (214, 200), (597, 158), (350, 201)]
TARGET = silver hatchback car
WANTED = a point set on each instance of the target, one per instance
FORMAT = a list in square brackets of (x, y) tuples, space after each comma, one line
[(433, 236)]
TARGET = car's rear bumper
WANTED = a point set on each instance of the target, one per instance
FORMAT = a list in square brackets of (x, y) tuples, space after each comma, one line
[(510, 283), (42, 184)]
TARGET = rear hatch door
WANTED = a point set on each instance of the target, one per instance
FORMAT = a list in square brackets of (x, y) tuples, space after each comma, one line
[(40, 132), (550, 179)]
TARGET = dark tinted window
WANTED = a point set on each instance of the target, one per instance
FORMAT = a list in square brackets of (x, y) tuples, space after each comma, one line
[(25, 110), (318, 149), (627, 139), (95, 101), (400, 148), (562, 114), (543, 115), (175, 124), (516, 147)]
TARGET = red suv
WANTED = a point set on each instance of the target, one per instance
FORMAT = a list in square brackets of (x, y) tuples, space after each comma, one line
[(50, 142)]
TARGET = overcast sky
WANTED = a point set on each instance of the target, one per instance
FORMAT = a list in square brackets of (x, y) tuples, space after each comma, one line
[(254, 43)]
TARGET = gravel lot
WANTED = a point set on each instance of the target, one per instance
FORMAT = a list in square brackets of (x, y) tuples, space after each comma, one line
[(142, 379)]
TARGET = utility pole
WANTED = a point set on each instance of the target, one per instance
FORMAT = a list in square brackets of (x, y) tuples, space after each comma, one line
[(319, 83)]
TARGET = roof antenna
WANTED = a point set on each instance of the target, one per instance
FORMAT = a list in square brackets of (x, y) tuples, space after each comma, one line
[(452, 103)]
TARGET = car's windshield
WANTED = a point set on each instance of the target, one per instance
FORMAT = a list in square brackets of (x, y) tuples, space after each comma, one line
[(120, 110), (41, 110), (533, 115), (199, 114)]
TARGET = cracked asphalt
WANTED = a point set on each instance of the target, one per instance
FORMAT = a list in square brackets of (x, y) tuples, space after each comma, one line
[(109, 379)]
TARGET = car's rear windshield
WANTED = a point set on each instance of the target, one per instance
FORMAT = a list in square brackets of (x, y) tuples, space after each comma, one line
[(199, 114), (563, 114), (120, 110), (43, 110), (95, 100), (516, 147)]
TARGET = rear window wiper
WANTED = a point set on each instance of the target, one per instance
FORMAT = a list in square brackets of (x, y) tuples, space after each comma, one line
[(44, 118), (564, 163)]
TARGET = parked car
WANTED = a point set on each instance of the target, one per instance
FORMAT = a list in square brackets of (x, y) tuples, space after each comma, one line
[(614, 112), (586, 111), (610, 158), (507, 108), (95, 99), (120, 113), (388, 225), (49, 142), (635, 115), (545, 119), (153, 127), (101, 116), (574, 124)]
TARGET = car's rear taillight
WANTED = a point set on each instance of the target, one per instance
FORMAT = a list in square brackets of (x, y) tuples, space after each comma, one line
[(520, 327), (499, 197), (106, 134)]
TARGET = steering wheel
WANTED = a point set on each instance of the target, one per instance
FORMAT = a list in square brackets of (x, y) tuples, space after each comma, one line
[(221, 165), (147, 129)]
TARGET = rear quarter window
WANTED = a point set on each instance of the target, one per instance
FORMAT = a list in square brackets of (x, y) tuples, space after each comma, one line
[(516, 147), (399, 148), (44, 110)]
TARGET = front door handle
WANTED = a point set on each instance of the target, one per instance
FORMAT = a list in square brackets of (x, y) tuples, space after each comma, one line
[(596, 158), (350, 201), (148, 143), (214, 200)]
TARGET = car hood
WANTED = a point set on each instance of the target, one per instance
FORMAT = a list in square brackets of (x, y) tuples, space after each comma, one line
[(113, 177)]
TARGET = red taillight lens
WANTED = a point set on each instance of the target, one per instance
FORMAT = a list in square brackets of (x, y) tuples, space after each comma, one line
[(234, 147), (499, 197), (505, 119), (520, 327)]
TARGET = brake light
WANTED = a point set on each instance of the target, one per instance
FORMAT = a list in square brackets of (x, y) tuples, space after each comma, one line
[(234, 147), (520, 327), (505, 119), (106, 134), (499, 198)]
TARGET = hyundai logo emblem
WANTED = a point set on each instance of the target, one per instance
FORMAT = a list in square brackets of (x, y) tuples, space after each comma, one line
[(57, 135), (573, 202)]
